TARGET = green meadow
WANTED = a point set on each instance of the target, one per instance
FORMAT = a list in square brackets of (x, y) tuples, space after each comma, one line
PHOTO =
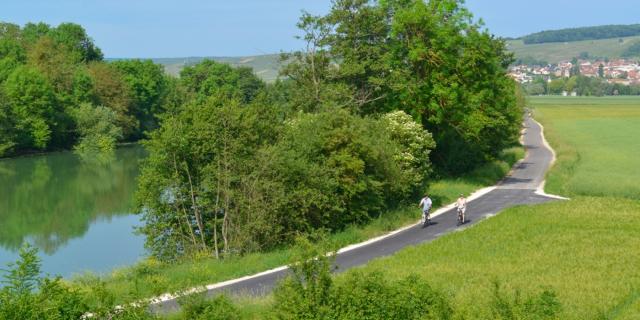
[(597, 144)]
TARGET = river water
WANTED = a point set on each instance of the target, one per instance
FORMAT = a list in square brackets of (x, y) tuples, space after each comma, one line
[(77, 212)]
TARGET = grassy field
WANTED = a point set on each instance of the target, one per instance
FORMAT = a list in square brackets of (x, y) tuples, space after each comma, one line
[(150, 278), (586, 250), (556, 52), (596, 142)]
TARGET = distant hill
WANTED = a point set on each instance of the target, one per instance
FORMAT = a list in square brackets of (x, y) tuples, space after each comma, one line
[(556, 52), (553, 46), (584, 33), (265, 66)]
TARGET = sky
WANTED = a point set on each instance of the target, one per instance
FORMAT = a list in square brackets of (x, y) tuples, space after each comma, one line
[(164, 28)]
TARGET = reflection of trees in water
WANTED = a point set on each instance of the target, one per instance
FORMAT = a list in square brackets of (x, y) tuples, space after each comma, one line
[(54, 198)]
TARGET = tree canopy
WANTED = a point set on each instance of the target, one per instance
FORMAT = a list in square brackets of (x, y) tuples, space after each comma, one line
[(47, 74)]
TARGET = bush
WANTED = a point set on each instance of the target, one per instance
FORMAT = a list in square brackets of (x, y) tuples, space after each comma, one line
[(26, 295), (97, 129), (333, 169), (311, 293), (415, 145), (195, 307)]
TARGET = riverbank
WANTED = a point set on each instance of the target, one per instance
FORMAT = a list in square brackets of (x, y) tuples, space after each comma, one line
[(150, 277)]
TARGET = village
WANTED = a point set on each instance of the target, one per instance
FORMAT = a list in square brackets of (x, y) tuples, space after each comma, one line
[(615, 71)]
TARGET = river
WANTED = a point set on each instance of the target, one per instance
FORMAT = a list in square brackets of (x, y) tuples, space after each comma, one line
[(77, 212)]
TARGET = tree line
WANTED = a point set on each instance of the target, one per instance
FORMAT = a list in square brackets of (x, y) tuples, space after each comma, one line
[(585, 33), (581, 85), (57, 92), (384, 94)]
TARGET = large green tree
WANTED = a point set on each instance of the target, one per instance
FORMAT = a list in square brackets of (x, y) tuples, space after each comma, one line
[(147, 83), (428, 58), (210, 78), (33, 107)]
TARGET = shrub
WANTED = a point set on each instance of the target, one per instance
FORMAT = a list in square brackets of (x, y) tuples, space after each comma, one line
[(333, 169), (311, 293), (26, 295), (97, 129), (415, 145), (195, 307)]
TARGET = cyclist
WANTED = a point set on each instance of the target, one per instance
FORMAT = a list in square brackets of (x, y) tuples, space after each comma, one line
[(425, 204), (461, 204)]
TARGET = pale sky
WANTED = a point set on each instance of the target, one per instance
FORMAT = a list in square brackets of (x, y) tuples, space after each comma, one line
[(162, 28)]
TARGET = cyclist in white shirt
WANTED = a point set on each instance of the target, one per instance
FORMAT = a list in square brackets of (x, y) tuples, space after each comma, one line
[(425, 204)]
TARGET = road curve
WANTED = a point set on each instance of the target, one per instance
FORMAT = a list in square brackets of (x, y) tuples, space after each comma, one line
[(518, 188)]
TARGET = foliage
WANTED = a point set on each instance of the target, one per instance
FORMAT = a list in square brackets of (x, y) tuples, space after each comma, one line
[(530, 61), (148, 85), (195, 307), (46, 73), (427, 58), (585, 33), (311, 293), (32, 106), (97, 128), (25, 295), (195, 186), (210, 78), (415, 145)]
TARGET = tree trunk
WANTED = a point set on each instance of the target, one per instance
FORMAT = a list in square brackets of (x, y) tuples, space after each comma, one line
[(196, 211)]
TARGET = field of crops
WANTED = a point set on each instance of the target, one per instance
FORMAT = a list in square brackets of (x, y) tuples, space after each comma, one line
[(596, 140)]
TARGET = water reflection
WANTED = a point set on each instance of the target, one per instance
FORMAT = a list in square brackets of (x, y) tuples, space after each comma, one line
[(49, 200)]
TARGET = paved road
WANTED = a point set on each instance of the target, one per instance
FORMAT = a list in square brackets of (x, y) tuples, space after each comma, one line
[(518, 188)]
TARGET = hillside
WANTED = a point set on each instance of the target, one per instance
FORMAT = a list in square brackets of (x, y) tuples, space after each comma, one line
[(583, 33), (556, 52), (265, 66)]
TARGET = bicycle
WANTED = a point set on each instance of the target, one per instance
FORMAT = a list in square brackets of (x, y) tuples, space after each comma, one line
[(426, 219), (461, 218)]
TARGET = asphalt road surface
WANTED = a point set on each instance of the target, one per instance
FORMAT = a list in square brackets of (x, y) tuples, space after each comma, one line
[(516, 189)]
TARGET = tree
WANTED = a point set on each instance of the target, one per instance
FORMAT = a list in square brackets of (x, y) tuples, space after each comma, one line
[(7, 135), (556, 86), (147, 83), (25, 295), (196, 193), (75, 39), (31, 99), (111, 91), (601, 70), (427, 58), (97, 129), (210, 78)]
